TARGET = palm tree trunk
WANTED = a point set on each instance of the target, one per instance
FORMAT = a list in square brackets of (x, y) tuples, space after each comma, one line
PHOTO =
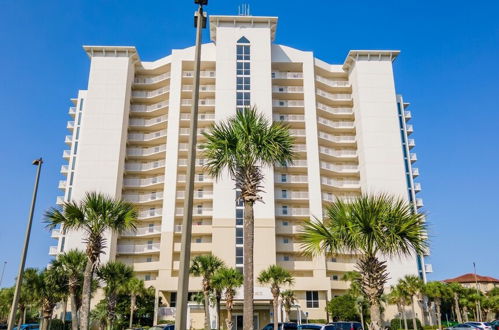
[(414, 323), (457, 309), (111, 308), (249, 228), (132, 307), (229, 300), (74, 310), (219, 299), (206, 310), (276, 305), (361, 316), (406, 327), (20, 320), (86, 295), (465, 312), (439, 318), (375, 316)]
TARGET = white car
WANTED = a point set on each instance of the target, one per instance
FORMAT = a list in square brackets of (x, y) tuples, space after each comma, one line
[(481, 325), (464, 326)]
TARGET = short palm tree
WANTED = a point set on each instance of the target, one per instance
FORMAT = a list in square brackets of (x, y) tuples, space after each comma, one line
[(28, 286), (399, 297), (288, 300), (206, 266), (413, 285), (73, 263), (227, 280), (95, 214), (456, 290), (115, 275), (135, 288), (276, 277), (437, 291), (243, 145), (355, 291), (51, 289), (374, 226)]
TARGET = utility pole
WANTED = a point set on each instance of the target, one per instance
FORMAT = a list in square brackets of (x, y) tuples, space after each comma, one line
[(38, 162), (185, 245)]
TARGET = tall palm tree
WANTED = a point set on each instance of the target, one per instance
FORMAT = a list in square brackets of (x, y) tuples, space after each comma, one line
[(399, 297), (437, 291), (73, 263), (288, 300), (115, 275), (206, 266), (276, 277), (413, 285), (135, 288), (243, 145), (456, 290), (227, 280), (375, 226), (95, 214)]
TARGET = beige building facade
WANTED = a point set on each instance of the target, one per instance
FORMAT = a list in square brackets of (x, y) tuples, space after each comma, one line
[(129, 139)]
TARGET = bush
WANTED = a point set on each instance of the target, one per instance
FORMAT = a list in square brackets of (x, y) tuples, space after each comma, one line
[(56, 324), (399, 324), (343, 308), (430, 327), (166, 322), (318, 321)]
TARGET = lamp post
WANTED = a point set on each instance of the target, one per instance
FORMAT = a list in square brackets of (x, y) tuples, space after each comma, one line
[(185, 245), (3, 270), (478, 307), (38, 162)]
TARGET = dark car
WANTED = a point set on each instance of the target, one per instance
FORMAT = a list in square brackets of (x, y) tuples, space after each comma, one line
[(495, 325), (281, 326), (346, 325), (163, 327), (316, 327)]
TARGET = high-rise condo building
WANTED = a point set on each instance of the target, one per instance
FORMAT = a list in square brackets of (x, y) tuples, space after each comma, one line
[(129, 140)]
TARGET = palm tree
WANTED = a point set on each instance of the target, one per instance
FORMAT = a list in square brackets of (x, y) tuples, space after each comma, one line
[(288, 300), (437, 291), (51, 289), (73, 263), (355, 291), (399, 297), (206, 266), (275, 276), (115, 275), (413, 285), (375, 226), (29, 284), (456, 289), (95, 214), (135, 288), (227, 280), (243, 145)]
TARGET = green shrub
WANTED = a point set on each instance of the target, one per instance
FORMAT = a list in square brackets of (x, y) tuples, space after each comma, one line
[(318, 321), (166, 322), (399, 324)]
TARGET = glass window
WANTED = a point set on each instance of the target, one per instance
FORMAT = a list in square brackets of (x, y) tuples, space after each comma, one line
[(149, 259), (285, 240), (173, 299), (285, 223), (284, 210), (284, 178), (239, 213), (284, 193), (286, 258), (199, 240), (239, 235), (312, 299), (147, 277), (335, 277), (75, 149)]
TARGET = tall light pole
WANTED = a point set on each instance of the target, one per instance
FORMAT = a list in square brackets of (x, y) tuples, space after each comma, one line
[(185, 249), (38, 162), (3, 270), (478, 307)]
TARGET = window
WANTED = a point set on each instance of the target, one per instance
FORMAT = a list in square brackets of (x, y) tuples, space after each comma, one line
[(151, 227), (63, 241), (285, 223), (200, 209), (285, 258), (333, 259), (284, 210), (173, 299), (149, 245), (239, 235), (239, 255), (285, 240), (73, 164), (335, 278), (147, 277), (284, 193), (239, 201), (284, 178), (312, 299), (239, 217), (75, 149), (199, 240), (71, 178), (149, 259), (152, 211)]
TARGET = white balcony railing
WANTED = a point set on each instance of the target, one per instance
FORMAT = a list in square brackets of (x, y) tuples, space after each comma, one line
[(137, 182), (415, 172), (205, 211), (143, 198), (202, 102), (71, 124), (338, 183), (53, 250), (202, 88), (292, 211), (143, 231), (413, 157), (145, 151), (417, 186), (332, 82), (287, 75), (149, 108), (337, 138), (335, 110), (407, 115), (148, 122), (64, 169), (151, 94), (291, 194), (187, 131), (290, 118), (296, 163), (287, 178), (338, 152), (151, 80), (141, 137), (129, 166), (287, 103), (72, 111), (197, 178), (297, 132), (334, 97), (151, 213), (201, 116), (351, 168), (419, 202), (329, 197), (342, 124), (143, 248), (198, 194), (202, 74), (287, 89), (66, 154), (199, 162)]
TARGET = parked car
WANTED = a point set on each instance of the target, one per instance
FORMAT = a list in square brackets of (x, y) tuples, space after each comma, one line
[(316, 326), (495, 325), (282, 326), (481, 325), (464, 326), (29, 326), (163, 327), (346, 325)]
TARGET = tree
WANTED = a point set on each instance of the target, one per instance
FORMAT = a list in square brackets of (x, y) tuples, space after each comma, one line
[(342, 308), (288, 300), (355, 291), (73, 263), (95, 214), (227, 280), (135, 288), (29, 286), (374, 225), (399, 296), (51, 288), (116, 275), (206, 266), (276, 277), (456, 289), (437, 291), (243, 145), (413, 285), (6, 296)]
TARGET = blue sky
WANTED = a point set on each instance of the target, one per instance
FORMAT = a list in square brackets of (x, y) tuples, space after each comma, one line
[(448, 70)]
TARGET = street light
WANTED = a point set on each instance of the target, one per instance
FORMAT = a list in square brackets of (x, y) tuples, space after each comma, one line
[(3, 270), (185, 245), (38, 162), (478, 307)]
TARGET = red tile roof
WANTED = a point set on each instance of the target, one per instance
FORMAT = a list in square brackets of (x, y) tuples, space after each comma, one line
[(470, 278)]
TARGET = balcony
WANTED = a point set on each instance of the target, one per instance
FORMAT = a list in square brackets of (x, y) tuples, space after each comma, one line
[(150, 94), (72, 111), (147, 137), (428, 268), (287, 178), (144, 167), (143, 198), (196, 229), (337, 139), (137, 249), (145, 266), (288, 247), (71, 125), (417, 187), (339, 183), (292, 211), (199, 162), (201, 116), (195, 247), (288, 103), (198, 194), (287, 75), (296, 265), (291, 195), (144, 152), (56, 233), (59, 200), (296, 163), (196, 211), (407, 115), (339, 153), (289, 118), (53, 251), (143, 183), (68, 140), (143, 231), (415, 172), (345, 111), (66, 154), (344, 168), (202, 88), (146, 109), (145, 80), (139, 122), (413, 157), (202, 102), (187, 131), (62, 184), (287, 89), (197, 178), (184, 147), (202, 74), (409, 129), (64, 169), (151, 213), (334, 97), (297, 132), (330, 197), (332, 82), (340, 266), (346, 125), (419, 202), (411, 143)]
